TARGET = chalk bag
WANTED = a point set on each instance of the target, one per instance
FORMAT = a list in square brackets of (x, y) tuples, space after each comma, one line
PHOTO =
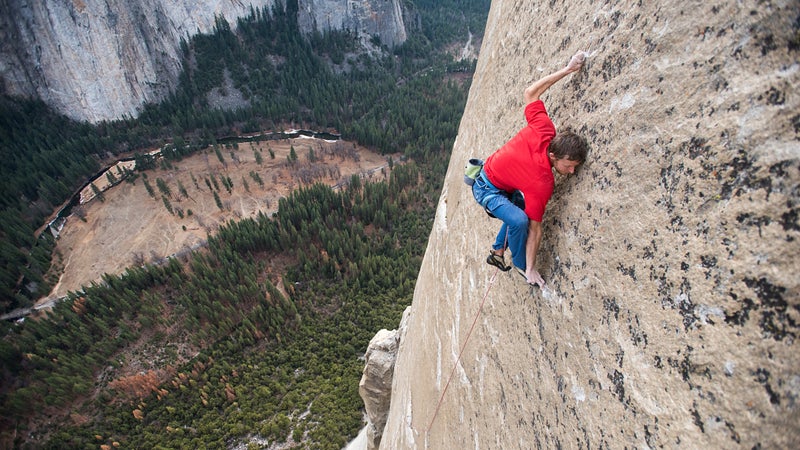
[(471, 170)]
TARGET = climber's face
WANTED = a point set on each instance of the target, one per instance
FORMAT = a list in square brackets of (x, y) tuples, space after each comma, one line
[(563, 166)]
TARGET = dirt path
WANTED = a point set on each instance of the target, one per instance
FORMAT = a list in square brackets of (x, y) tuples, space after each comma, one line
[(130, 227)]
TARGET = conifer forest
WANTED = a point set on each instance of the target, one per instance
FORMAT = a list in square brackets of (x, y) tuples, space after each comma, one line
[(276, 311)]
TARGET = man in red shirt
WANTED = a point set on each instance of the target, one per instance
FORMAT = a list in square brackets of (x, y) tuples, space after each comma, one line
[(525, 164)]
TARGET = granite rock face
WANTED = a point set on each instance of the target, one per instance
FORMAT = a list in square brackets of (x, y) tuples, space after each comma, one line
[(381, 18), (98, 60), (672, 310)]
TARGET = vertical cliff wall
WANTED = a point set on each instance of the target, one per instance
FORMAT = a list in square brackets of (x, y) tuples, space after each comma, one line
[(99, 60), (671, 319), (103, 59), (381, 18)]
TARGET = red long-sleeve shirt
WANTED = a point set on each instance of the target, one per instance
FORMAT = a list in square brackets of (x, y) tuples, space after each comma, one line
[(522, 163)]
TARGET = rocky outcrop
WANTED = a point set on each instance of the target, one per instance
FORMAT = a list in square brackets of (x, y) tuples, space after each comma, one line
[(375, 386), (100, 60), (673, 309)]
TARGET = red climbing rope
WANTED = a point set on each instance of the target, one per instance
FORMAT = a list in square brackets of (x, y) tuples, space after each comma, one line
[(463, 346)]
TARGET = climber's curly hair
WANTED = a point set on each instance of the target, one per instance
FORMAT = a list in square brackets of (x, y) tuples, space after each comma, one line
[(569, 145)]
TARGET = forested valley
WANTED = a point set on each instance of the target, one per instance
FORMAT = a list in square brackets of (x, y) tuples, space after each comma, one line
[(255, 340)]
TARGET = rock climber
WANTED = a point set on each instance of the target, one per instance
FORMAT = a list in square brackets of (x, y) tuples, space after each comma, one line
[(524, 165)]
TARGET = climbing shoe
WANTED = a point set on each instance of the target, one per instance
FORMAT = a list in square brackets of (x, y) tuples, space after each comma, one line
[(497, 260)]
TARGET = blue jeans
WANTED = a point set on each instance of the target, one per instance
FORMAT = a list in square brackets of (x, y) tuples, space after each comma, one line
[(514, 231)]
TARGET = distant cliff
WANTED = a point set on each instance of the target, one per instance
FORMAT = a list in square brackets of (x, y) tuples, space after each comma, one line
[(380, 18), (673, 309), (102, 59)]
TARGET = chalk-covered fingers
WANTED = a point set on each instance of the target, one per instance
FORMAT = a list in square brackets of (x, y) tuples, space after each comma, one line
[(534, 277), (576, 62)]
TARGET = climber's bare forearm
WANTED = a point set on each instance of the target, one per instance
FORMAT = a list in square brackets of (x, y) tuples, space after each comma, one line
[(531, 249), (534, 91)]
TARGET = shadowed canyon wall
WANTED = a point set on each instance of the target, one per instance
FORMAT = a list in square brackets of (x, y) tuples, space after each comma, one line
[(672, 309), (101, 60)]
